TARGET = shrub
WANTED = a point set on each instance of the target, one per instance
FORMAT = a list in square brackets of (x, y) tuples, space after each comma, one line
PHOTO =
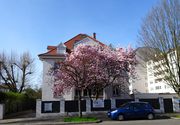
[(15, 102)]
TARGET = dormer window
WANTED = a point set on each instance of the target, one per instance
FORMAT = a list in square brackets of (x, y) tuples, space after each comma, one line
[(61, 49)]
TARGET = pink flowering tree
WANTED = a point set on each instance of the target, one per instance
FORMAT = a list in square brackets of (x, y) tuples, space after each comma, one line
[(111, 66), (94, 67)]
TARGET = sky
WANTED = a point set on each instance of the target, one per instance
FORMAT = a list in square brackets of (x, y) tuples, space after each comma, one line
[(32, 25)]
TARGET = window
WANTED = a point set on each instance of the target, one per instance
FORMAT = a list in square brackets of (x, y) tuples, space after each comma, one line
[(116, 90), (158, 87), (77, 92), (158, 80), (88, 92), (151, 82), (85, 92), (83, 41)]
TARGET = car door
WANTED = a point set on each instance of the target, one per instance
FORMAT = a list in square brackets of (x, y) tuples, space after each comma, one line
[(129, 112), (139, 111)]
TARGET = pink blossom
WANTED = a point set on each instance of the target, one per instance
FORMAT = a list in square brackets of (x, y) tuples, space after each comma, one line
[(93, 66)]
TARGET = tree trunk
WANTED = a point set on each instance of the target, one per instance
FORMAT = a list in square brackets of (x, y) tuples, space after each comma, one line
[(79, 104)]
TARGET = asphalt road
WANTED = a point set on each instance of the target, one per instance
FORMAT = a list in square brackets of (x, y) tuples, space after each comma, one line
[(143, 122)]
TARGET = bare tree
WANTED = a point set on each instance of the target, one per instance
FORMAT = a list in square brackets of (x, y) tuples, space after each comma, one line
[(160, 31), (16, 70)]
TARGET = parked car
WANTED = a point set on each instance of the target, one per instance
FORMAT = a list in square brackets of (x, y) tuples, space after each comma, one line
[(132, 110)]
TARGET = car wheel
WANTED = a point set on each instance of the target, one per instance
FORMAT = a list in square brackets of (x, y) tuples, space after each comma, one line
[(150, 116), (120, 117)]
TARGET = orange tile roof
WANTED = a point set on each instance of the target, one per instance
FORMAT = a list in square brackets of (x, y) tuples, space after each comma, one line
[(52, 50)]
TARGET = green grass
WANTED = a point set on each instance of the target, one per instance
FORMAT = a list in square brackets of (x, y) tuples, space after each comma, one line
[(79, 119), (177, 116)]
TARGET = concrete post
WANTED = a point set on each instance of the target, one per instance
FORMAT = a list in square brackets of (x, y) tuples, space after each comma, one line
[(62, 106), (175, 102), (2, 111), (88, 105), (38, 108), (113, 103), (161, 103)]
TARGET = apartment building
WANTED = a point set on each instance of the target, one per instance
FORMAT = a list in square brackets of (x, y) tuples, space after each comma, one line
[(150, 74), (156, 72)]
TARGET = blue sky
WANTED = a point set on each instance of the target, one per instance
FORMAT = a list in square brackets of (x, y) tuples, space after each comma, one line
[(32, 25)]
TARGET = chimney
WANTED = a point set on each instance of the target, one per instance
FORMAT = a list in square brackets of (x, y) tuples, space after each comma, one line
[(94, 35)]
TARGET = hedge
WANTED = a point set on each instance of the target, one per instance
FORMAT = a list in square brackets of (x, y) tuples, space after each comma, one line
[(16, 102)]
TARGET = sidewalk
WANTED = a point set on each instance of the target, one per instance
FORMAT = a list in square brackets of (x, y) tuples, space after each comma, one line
[(31, 121), (42, 121), (59, 120), (49, 121)]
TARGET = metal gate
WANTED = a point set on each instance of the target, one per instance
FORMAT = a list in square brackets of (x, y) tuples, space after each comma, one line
[(168, 106)]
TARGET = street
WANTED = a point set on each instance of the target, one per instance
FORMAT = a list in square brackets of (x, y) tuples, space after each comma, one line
[(143, 122)]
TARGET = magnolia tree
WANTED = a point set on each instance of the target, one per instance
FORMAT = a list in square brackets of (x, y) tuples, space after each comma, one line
[(111, 67), (92, 67)]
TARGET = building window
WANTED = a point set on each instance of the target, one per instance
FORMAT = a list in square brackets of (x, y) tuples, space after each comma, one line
[(85, 92), (116, 90), (158, 87), (88, 92), (77, 92), (151, 82), (158, 80)]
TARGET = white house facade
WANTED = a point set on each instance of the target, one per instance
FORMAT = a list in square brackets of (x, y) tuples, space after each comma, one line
[(57, 53)]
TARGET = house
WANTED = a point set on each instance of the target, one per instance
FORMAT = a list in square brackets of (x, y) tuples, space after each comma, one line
[(58, 53)]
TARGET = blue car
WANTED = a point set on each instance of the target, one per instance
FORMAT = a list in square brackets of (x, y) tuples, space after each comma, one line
[(132, 110)]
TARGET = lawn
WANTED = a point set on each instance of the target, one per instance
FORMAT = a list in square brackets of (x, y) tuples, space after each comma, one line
[(177, 116), (80, 119)]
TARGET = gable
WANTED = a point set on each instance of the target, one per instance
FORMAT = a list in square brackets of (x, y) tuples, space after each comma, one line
[(85, 41)]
